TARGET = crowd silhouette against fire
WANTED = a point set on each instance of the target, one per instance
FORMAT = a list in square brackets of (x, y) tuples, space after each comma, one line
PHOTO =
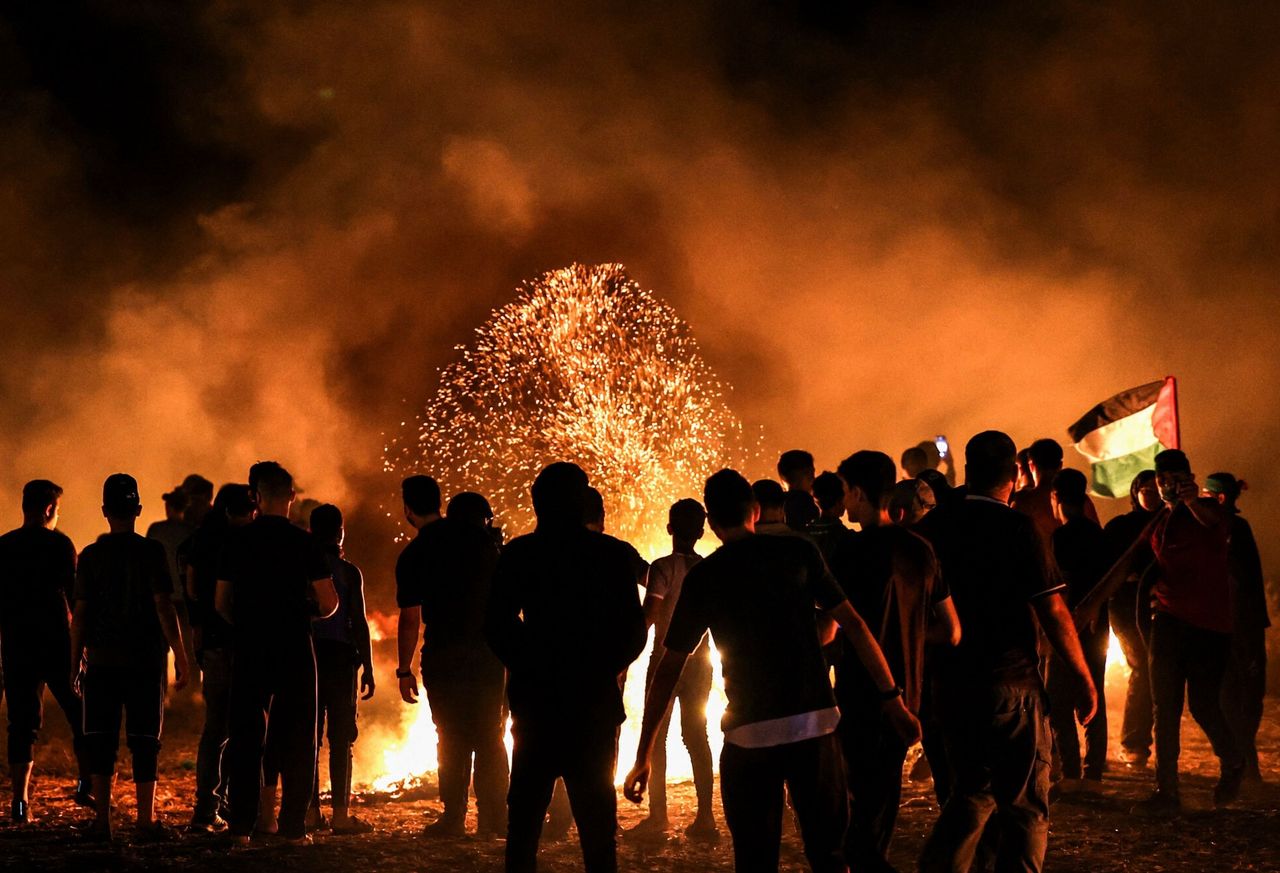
[(856, 612)]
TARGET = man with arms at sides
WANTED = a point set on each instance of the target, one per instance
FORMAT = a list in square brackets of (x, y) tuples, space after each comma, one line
[(686, 522), (991, 703), (343, 647), (1080, 551), (272, 581), (757, 594), (890, 576), (443, 580), (772, 501), (172, 533), (37, 576), (565, 618), (233, 508), (828, 531), (123, 627)]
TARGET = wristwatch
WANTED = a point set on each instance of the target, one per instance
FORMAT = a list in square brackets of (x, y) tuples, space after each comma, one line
[(404, 674), (892, 694)]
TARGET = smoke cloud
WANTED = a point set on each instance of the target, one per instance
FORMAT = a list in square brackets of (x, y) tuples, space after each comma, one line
[(237, 232)]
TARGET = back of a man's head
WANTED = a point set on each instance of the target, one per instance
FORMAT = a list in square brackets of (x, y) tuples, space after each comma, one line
[(421, 494), (38, 495), (914, 461), (326, 523), (594, 511), (235, 500), (795, 462), (828, 490), (687, 519), (871, 472), (1071, 488), (270, 481), (198, 488), (990, 461), (560, 494), (728, 497), (1046, 455), (470, 508), (769, 495)]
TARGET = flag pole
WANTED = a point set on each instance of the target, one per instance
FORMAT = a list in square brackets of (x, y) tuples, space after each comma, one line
[(1177, 415)]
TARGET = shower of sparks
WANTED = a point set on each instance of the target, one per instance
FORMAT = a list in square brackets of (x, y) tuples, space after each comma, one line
[(584, 366)]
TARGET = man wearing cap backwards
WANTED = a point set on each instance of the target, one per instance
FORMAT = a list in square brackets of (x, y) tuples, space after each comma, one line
[(1245, 682), (37, 575), (1191, 630), (122, 629)]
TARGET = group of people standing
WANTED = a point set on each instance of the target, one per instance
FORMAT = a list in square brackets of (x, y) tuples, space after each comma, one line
[(972, 618)]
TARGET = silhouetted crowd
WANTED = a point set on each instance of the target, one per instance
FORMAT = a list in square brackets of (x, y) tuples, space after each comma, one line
[(974, 619)]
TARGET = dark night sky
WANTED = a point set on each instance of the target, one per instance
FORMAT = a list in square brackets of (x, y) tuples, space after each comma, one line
[(229, 231)]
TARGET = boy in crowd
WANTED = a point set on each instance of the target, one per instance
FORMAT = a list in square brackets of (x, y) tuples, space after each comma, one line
[(890, 576), (686, 523), (756, 595), (1080, 551), (273, 579), (122, 629), (342, 647), (565, 618), (796, 469), (772, 502), (233, 508), (37, 576), (1245, 682), (172, 533), (443, 580), (991, 700), (828, 531)]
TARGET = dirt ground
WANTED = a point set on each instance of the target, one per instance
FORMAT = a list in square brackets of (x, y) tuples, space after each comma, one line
[(1091, 831)]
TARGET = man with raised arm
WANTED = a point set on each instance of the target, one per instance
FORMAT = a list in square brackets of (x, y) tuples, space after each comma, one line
[(756, 595)]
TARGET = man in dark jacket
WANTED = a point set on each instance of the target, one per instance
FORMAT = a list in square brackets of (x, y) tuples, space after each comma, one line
[(565, 618)]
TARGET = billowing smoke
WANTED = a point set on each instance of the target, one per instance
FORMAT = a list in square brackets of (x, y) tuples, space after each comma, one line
[(248, 231)]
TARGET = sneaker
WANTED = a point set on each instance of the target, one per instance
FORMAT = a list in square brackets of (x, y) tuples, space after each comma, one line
[(1161, 804), (650, 830), (20, 812), (304, 840), (351, 826), (445, 829), (207, 824), (1227, 791), (317, 822), (84, 794), (703, 829)]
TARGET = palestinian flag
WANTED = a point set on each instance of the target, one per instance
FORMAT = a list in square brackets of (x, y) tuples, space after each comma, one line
[(1122, 435)]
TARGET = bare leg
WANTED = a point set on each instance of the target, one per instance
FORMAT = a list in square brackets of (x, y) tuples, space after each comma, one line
[(22, 782), (102, 803), (146, 793)]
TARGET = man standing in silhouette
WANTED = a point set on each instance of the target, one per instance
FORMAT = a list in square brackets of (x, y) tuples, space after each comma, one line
[(565, 618)]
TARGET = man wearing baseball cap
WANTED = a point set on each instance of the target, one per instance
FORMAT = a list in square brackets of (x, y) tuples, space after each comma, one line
[(1191, 628), (122, 629)]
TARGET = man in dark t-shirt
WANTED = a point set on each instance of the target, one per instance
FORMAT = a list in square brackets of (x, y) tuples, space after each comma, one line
[(891, 578), (565, 617), (756, 595), (272, 580), (122, 629), (233, 508), (443, 578), (37, 575), (991, 704), (1125, 608), (1080, 550)]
